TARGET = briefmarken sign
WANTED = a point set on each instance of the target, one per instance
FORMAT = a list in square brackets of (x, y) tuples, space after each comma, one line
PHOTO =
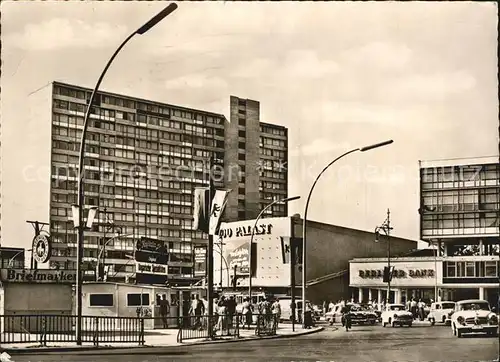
[(38, 276)]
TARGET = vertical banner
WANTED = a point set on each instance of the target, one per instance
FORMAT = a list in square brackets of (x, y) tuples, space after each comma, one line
[(200, 209), (218, 204), (200, 261), (286, 251)]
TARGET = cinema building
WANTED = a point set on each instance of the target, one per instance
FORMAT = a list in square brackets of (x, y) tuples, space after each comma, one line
[(329, 249), (459, 219)]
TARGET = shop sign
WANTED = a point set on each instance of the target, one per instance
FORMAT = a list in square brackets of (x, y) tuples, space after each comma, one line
[(42, 248), (150, 251), (200, 261), (409, 273), (398, 273), (240, 231), (150, 268), (38, 276)]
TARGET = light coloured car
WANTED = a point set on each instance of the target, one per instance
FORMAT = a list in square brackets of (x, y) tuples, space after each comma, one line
[(473, 316), (396, 315), (440, 312)]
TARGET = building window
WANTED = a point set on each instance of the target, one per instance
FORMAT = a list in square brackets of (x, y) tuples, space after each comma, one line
[(101, 300), (242, 134), (135, 300), (241, 145), (241, 122), (490, 268), (451, 270)]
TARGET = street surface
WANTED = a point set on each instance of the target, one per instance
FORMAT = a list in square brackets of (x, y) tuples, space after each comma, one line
[(363, 343)]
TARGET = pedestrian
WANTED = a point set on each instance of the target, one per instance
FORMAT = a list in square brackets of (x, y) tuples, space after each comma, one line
[(231, 310), (198, 312), (413, 305), (247, 313), (276, 310), (421, 309), (164, 310), (222, 312)]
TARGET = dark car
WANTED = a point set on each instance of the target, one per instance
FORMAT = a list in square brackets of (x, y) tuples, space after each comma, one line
[(361, 315)]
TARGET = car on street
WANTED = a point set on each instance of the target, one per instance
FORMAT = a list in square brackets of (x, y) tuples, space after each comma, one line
[(473, 316), (440, 312), (396, 315), (359, 314)]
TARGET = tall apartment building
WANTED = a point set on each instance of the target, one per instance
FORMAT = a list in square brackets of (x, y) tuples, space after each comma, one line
[(460, 214), (143, 161), (260, 152)]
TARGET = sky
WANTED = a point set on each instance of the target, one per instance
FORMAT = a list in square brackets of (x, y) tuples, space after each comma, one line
[(339, 75)]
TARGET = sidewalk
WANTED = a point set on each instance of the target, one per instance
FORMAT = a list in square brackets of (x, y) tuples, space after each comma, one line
[(155, 338)]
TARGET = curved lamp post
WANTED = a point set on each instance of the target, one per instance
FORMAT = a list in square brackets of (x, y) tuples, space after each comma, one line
[(11, 260), (304, 229), (103, 248), (280, 201), (81, 173)]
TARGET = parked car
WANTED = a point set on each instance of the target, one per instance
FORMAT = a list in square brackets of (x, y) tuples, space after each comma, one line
[(473, 316), (440, 312), (395, 314)]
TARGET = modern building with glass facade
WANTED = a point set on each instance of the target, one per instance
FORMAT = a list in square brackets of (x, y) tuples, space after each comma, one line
[(143, 161), (459, 215), (459, 218)]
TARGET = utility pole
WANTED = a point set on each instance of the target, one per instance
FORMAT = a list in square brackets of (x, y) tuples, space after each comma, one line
[(293, 244), (386, 228), (210, 254)]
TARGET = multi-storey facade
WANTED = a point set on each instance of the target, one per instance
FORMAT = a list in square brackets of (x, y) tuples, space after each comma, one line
[(259, 151), (459, 218), (459, 214), (143, 161)]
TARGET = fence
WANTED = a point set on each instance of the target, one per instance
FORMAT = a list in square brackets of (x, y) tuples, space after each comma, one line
[(266, 325), (197, 327), (62, 328)]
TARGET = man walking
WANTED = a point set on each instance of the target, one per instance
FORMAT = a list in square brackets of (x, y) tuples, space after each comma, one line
[(164, 310)]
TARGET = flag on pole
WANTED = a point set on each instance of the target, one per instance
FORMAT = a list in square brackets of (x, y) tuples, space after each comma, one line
[(217, 208), (200, 209)]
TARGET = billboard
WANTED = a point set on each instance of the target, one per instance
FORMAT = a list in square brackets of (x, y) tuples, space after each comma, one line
[(268, 267), (200, 261), (151, 257)]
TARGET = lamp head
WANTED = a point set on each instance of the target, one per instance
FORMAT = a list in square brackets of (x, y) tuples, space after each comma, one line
[(377, 236)]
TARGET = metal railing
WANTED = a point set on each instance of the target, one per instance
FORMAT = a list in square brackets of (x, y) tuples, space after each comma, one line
[(61, 328), (266, 325), (196, 327)]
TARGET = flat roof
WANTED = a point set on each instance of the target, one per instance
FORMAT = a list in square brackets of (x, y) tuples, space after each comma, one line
[(481, 160), (137, 99)]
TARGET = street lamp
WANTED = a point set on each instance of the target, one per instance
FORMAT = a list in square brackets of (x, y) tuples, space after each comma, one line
[(227, 268), (81, 174), (11, 260), (280, 201), (386, 229), (102, 251), (304, 229)]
